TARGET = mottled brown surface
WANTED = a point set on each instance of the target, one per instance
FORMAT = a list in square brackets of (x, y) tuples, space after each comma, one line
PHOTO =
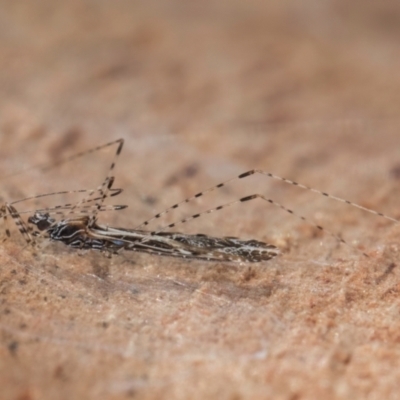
[(203, 91)]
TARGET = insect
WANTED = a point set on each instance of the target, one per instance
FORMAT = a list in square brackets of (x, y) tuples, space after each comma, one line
[(82, 233), (85, 232)]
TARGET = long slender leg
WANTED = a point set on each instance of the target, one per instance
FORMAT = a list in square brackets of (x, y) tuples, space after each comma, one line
[(270, 175), (105, 187), (48, 166)]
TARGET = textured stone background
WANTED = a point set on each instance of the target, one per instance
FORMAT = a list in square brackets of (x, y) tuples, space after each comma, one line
[(203, 91)]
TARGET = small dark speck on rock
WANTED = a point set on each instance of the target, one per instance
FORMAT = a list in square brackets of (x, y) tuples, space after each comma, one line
[(13, 347), (394, 172)]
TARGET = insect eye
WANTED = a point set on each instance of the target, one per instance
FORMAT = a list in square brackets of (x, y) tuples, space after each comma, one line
[(43, 224)]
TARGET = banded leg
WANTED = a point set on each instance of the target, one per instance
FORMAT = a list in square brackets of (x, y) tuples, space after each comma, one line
[(106, 185), (48, 166), (269, 175), (10, 210)]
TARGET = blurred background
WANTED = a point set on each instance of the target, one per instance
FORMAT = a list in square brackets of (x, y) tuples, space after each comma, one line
[(191, 67), (197, 69)]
